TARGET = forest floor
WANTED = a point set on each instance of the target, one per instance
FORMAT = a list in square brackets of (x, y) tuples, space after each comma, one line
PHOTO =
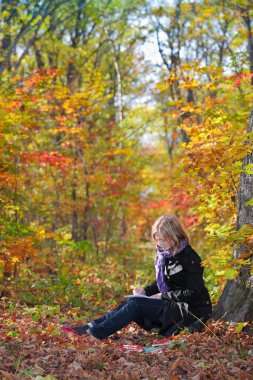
[(32, 346)]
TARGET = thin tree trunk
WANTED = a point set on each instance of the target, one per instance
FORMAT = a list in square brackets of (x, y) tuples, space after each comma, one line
[(74, 211), (246, 18), (86, 212)]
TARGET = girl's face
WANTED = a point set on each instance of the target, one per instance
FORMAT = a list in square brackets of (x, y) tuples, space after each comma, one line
[(163, 244)]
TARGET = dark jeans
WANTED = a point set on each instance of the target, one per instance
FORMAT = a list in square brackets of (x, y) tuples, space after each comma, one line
[(134, 310)]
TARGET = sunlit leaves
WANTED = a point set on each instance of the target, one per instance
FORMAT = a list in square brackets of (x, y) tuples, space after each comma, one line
[(209, 164)]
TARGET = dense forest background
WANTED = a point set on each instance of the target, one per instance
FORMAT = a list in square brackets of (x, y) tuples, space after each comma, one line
[(112, 113)]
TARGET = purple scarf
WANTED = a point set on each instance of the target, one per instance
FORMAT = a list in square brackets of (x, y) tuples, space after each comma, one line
[(160, 264)]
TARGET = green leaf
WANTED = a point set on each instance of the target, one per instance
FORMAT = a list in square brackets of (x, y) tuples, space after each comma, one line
[(202, 364), (27, 372), (249, 203), (13, 334), (248, 169), (240, 325), (230, 273), (181, 343)]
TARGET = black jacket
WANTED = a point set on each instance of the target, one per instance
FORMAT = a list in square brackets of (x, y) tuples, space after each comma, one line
[(184, 276)]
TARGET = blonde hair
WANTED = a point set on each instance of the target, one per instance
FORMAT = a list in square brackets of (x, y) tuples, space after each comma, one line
[(169, 228)]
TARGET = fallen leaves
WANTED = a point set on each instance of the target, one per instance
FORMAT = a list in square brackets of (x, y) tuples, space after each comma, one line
[(39, 352)]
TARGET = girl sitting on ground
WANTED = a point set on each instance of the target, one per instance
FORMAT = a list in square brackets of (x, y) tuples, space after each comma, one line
[(177, 298)]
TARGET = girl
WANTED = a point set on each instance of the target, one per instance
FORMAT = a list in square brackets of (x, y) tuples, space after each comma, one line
[(176, 299)]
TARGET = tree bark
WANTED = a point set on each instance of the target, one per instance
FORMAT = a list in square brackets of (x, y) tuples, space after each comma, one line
[(74, 198), (245, 13), (236, 301)]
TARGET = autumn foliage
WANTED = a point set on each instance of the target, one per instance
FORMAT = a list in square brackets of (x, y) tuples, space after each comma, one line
[(111, 114)]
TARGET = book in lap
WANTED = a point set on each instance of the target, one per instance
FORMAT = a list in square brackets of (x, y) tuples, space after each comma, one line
[(136, 296), (141, 296)]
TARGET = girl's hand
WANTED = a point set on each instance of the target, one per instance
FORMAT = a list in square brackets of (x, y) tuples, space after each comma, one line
[(139, 291), (157, 296)]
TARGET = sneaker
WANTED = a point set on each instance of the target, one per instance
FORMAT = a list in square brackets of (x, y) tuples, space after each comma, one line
[(78, 330)]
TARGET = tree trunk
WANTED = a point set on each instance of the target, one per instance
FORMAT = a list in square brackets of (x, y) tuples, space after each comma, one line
[(245, 13), (236, 301), (74, 210)]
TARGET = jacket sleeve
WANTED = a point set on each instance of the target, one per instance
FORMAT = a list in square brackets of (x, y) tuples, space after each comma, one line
[(151, 289), (194, 284)]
